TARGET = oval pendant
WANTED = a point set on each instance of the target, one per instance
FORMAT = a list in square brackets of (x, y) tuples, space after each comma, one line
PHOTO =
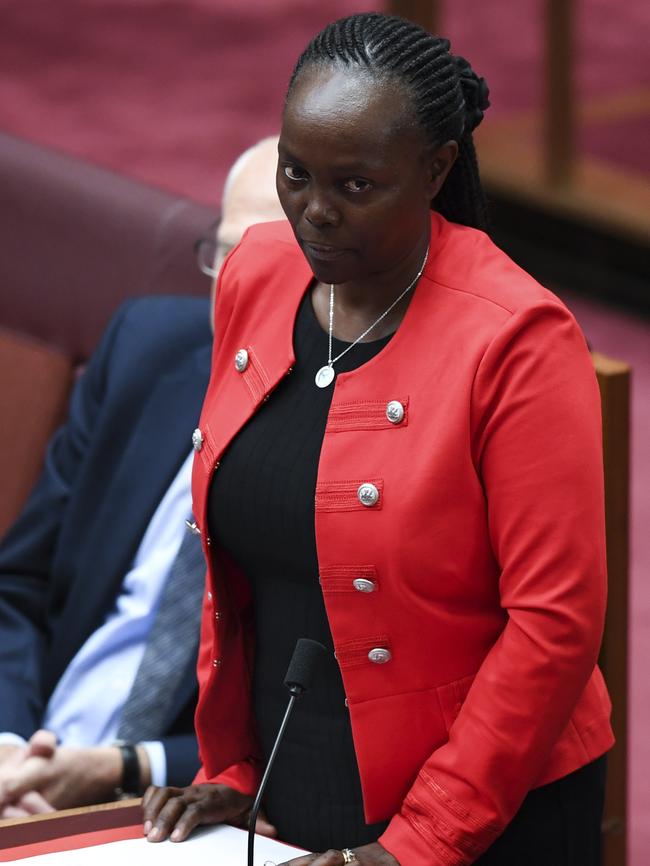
[(325, 376)]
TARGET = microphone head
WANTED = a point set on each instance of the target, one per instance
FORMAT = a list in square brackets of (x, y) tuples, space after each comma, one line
[(306, 658)]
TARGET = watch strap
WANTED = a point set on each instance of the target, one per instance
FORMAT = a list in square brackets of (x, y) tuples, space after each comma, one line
[(130, 785)]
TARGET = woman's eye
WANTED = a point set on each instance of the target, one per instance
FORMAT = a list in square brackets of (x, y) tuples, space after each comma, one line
[(294, 173), (356, 184)]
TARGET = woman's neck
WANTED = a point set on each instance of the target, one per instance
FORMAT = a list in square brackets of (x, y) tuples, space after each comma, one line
[(359, 303)]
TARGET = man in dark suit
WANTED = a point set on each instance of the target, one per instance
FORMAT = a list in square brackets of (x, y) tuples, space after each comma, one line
[(100, 582)]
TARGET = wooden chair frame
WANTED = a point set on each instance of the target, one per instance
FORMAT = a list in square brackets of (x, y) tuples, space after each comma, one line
[(614, 382)]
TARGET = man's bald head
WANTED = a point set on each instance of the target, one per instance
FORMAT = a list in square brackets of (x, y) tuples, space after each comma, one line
[(249, 196)]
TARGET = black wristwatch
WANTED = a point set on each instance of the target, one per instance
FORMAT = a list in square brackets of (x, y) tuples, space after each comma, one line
[(130, 785)]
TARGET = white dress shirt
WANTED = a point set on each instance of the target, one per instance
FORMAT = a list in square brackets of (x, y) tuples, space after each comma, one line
[(86, 706)]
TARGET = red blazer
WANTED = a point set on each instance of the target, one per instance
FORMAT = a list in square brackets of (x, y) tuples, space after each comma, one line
[(485, 547)]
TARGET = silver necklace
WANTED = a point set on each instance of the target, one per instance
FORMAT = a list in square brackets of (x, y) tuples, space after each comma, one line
[(325, 376)]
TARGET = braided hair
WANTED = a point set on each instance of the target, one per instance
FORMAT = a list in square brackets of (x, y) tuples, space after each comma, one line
[(448, 97)]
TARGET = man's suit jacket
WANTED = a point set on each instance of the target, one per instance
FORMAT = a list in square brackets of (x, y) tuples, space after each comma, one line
[(62, 564)]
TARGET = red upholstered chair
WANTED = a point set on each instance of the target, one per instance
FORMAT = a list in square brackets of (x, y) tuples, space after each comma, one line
[(77, 241), (34, 386)]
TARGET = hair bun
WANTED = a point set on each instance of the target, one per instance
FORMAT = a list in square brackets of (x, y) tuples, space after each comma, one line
[(475, 92)]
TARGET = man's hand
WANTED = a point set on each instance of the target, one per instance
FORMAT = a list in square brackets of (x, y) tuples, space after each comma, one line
[(64, 776), (41, 745), (7, 752), (174, 812), (29, 804)]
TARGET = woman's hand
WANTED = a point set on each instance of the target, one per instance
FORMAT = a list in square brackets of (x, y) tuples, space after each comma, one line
[(367, 855), (174, 812)]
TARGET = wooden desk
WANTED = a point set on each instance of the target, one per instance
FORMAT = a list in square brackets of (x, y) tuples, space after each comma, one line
[(70, 829), (112, 834)]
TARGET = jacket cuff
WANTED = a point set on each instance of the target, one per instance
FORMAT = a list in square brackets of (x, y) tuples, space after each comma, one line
[(9, 739), (450, 835), (243, 777), (409, 848)]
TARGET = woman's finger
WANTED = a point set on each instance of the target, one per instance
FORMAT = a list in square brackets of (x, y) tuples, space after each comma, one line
[(168, 816), (198, 804), (148, 794), (193, 815), (153, 801), (263, 827), (176, 812)]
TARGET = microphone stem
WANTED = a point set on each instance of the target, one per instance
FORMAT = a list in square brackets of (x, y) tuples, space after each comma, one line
[(258, 800)]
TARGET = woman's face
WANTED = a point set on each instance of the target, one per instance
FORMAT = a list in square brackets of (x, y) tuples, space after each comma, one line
[(355, 177)]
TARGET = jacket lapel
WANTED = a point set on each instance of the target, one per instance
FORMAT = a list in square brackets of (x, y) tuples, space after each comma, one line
[(265, 332)]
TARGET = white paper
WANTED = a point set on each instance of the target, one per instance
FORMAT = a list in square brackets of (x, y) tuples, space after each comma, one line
[(207, 846)]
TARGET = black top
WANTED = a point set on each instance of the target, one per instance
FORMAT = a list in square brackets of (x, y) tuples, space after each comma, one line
[(261, 510)]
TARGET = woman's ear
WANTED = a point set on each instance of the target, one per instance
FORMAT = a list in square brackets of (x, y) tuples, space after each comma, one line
[(440, 165)]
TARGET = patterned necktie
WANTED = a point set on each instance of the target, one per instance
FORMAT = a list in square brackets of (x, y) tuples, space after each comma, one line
[(171, 645)]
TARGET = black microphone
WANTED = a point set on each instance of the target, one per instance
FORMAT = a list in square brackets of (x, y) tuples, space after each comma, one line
[(305, 659)]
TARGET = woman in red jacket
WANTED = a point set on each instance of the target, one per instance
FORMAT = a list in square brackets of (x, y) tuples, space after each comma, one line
[(423, 494)]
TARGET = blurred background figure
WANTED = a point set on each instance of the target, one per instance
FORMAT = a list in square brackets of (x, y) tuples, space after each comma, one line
[(100, 579), (562, 157)]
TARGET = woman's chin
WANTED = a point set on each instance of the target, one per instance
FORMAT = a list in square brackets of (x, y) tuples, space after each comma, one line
[(331, 269)]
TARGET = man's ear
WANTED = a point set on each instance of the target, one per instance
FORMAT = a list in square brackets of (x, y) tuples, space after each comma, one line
[(440, 164)]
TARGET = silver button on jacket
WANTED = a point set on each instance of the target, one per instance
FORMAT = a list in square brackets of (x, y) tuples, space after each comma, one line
[(197, 440), (395, 412), (362, 584), (241, 360), (368, 494), (379, 655)]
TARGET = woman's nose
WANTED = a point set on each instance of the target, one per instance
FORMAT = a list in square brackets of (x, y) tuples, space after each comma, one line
[(319, 211)]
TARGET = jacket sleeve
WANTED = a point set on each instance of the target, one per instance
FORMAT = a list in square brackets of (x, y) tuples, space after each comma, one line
[(243, 777), (536, 445), (28, 549)]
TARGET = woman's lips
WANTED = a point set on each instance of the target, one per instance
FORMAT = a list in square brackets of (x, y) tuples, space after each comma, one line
[(324, 252)]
